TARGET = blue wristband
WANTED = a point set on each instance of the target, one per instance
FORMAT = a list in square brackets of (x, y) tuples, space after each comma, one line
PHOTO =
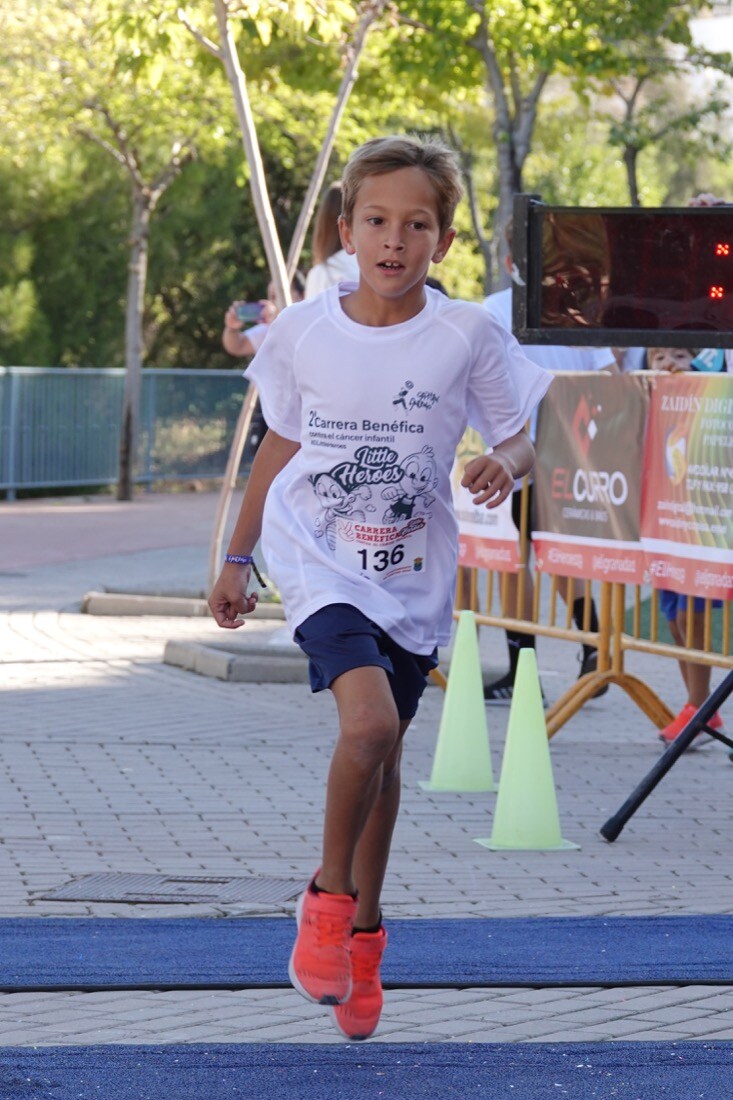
[(245, 559)]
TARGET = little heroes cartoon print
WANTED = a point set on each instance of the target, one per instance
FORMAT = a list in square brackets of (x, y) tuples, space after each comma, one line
[(336, 502), (345, 496), (419, 477)]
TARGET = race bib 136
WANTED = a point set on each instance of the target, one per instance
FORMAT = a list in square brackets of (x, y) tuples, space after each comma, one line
[(384, 551)]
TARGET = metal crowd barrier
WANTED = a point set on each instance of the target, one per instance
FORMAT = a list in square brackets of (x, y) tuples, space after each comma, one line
[(61, 426), (612, 639)]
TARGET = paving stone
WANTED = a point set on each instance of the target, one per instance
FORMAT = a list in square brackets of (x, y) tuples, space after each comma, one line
[(111, 760)]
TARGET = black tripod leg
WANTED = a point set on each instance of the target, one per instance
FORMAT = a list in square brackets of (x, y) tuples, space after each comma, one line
[(681, 743)]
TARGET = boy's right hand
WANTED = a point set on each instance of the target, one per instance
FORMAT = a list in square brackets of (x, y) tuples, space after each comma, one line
[(229, 599)]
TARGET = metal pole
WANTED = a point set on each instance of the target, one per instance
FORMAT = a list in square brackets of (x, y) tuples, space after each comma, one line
[(715, 700)]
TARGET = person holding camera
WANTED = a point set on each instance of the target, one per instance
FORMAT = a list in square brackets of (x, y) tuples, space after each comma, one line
[(243, 342)]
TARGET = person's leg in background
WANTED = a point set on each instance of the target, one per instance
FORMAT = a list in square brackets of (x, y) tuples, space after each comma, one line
[(574, 595), (696, 677)]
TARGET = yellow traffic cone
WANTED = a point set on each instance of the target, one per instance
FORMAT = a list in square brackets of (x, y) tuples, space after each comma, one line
[(526, 814), (462, 759)]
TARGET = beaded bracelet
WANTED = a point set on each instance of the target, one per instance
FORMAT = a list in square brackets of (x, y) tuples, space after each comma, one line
[(245, 559)]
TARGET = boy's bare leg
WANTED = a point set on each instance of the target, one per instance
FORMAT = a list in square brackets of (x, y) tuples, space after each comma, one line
[(369, 733), (372, 851)]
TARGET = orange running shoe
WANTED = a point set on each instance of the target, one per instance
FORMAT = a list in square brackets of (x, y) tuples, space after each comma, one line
[(359, 1016), (320, 964), (675, 727)]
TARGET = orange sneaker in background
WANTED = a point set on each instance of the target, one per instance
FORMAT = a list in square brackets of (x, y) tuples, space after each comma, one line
[(358, 1017), (688, 712), (320, 964)]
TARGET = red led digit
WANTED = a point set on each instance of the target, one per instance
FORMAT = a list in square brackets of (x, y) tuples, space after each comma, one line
[(715, 292), (722, 249)]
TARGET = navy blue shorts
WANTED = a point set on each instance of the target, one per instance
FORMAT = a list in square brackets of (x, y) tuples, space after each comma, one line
[(672, 602), (339, 637)]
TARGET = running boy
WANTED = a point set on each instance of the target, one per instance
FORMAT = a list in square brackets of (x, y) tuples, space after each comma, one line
[(358, 528)]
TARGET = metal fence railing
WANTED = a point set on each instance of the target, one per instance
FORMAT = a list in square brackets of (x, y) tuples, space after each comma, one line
[(61, 426)]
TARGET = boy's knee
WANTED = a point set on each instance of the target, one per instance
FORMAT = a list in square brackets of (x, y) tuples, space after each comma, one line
[(371, 733)]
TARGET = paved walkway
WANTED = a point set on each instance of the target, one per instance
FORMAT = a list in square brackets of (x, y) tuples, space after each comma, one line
[(111, 760)]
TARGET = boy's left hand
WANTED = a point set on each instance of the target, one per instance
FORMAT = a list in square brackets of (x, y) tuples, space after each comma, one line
[(490, 478)]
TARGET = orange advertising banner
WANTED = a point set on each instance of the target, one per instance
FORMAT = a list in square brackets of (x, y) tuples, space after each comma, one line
[(687, 500)]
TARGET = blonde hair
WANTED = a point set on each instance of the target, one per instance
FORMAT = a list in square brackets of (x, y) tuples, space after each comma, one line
[(388, 154), (326, 239)]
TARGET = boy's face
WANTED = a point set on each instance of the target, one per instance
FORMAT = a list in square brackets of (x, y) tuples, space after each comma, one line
[(673, 360), (395, 232)]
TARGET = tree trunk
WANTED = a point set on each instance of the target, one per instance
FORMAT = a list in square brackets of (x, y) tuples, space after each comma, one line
[(510, 183), (136, 277), (485, 245), (280, 271), (631, 159), (258, 181), (373, 11), (515, 116), (275, 260)]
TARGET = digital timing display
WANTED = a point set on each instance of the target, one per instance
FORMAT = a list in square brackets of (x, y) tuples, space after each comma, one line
[(637, 271), (625, 272)]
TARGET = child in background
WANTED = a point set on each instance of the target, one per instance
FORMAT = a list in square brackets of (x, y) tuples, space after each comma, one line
[(673, 604), (331, 262), (366, 390), (672, 360)]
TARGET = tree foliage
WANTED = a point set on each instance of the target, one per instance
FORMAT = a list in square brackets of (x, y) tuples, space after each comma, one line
[(65, 202)]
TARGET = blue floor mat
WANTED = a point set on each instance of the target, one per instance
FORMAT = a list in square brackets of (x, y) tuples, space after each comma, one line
[(123, 953), (491, 1071)]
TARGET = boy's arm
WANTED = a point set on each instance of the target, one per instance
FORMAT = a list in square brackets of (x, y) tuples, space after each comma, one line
[(492, 476), (229, 597)]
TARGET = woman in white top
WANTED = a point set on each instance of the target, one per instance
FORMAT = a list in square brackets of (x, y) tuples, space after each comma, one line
[(331, 263)]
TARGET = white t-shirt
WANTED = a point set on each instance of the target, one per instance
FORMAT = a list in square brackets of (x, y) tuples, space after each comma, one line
[(363, 513), (342, 266)]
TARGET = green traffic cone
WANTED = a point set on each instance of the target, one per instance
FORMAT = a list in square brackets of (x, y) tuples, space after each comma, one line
[(462, 759), (526, 814)]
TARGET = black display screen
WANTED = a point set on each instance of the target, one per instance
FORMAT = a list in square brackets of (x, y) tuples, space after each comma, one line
[(627, 276)]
